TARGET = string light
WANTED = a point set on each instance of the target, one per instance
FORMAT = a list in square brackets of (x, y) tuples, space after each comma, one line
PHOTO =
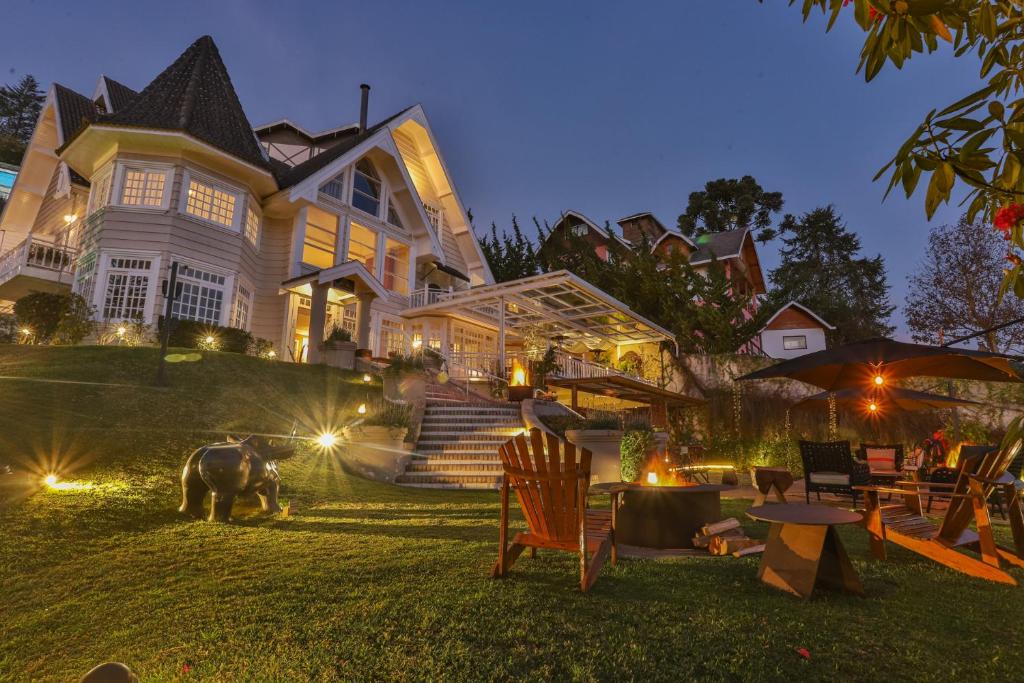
[(879, 380)]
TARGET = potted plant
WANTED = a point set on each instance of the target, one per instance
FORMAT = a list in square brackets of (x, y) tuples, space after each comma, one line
[(602, 436), (397, 374), (377, 448), (339, 349)]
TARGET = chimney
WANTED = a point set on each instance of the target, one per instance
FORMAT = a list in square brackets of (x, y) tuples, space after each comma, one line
[(364, 105)]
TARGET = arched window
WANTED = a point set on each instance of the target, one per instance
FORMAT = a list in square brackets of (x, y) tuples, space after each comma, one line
[(366, 188), (335, 187)]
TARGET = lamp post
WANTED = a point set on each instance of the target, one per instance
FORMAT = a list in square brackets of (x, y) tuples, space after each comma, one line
[(170, 295)]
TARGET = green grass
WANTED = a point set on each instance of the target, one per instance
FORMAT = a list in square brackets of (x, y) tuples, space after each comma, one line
[(368, 581)]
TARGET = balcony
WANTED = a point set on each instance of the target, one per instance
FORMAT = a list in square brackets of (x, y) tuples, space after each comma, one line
[(36, 264)]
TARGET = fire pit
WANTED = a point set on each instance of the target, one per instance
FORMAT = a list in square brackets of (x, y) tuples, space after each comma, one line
[(666, 516)]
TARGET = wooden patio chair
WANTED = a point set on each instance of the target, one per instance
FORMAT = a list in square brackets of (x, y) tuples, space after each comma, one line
[(905, 525), (551, 486)]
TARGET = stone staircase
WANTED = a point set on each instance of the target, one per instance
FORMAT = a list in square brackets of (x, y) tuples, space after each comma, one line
[(458, 442)]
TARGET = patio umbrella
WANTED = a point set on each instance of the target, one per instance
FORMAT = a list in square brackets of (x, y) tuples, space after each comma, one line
[(875, 362), (898, 397)]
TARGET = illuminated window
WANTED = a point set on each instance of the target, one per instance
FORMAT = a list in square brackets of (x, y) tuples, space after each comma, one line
[(335, 187), (362, 246), (396, 266), (794, 343), (392, 337), (127, 288), (366, 188), (210, 203), (252, 226), (202, 296), (240, 312), (321, 236), (143, 187)]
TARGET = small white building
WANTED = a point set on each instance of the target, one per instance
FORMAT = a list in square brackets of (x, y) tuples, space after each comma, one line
[(794, 330)]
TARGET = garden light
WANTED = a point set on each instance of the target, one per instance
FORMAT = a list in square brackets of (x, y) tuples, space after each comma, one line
[(361, 409), (25, 331), (121, 331), (367, 378), (209, 339), (327, 440), (50, 480), (271, 354)]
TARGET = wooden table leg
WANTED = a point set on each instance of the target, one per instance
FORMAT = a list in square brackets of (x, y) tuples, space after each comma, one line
[(780, 495), (835, 571), (791, 557)]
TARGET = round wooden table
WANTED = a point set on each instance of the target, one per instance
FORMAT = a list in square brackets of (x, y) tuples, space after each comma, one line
[(803, 550)]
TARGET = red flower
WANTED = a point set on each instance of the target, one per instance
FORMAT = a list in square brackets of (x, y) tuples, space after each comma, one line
[(1007, 217), (875, 15), (803, 652)]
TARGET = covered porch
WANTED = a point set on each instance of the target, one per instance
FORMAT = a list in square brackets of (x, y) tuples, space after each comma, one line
[(590, 331), (342, 285)]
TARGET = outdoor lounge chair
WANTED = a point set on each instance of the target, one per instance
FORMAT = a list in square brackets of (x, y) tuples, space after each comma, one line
[(829, 467), (552, 491), (903, 524), (882, 471)]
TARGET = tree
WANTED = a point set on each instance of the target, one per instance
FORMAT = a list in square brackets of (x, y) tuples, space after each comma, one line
[(954, 291), (510, 257), (978, 140), (20, 105), (59, 318), (822, 268), (728, 204)]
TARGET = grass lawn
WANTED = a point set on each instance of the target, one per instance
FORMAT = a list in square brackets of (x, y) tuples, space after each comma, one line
[(368, 581)]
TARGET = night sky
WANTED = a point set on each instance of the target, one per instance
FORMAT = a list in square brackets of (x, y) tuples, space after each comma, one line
[(542, 107)]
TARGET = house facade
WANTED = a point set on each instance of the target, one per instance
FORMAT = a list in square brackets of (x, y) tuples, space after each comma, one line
[(284, 232), (793, 331)]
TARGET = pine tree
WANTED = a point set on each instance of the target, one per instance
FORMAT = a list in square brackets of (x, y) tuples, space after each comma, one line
[(822, 269), (727, 204), (510, 257), (19, 110)]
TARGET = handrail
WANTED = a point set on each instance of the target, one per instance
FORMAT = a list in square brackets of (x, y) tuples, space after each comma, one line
[(37, 252)]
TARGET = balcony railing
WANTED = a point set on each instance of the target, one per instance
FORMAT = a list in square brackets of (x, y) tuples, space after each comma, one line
[(40, 254), (481, 364), (428, 295)]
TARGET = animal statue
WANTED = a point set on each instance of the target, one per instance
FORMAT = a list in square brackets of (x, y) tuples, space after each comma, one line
[(233, 468)]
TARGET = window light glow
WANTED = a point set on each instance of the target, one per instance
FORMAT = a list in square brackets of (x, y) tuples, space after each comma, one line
[(70, 218)]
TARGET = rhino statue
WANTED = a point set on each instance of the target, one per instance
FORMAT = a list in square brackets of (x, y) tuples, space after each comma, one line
[(233, 468)]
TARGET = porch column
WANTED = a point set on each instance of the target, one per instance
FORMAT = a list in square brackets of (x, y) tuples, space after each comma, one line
[(501, 337), (317, 321), (363, 324)]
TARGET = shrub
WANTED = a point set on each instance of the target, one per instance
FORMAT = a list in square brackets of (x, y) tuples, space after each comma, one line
[(560, 423), (339, 334), (636, 443), (387, 414), (8, 328), (602, 420), (59, 318), (192, 334), (404, 365), (262, 348)]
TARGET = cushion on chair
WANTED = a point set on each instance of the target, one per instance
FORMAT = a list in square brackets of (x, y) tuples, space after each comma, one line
[(914, 461), (881, 459), (830, 478)]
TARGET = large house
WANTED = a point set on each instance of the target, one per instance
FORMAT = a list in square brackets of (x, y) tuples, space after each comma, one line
[(289, 233)]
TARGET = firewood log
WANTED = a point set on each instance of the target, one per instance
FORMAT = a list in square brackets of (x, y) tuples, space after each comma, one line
[(719, 527), (702, 541), (749, 550), (726, 545)]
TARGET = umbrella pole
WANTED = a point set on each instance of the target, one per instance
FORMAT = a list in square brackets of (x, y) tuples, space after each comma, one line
[(951, 390)]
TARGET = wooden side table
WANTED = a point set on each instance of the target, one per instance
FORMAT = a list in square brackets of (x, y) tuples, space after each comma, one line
[(803, 551), (774, 480)]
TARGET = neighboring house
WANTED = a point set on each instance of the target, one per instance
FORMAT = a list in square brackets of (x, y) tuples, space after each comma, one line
[(794, 330), (288, 233), (573, 226), (8, 173)]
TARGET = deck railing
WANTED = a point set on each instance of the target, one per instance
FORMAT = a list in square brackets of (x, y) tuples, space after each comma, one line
[(38, 253), (482, 364)]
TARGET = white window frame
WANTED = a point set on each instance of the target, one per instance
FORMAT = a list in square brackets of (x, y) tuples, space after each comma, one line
[(102, 276), (99, 191), (236, 219), (382, 254), (227, 289), (342, 178), (117, 188), (381, 201), (250, 208), (796, 338), (240, 284)]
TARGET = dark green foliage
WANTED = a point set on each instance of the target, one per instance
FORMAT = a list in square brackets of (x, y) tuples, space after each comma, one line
[(389, 414), (191, 334), (58, 318), (399, 365), (822, 269), (954, 291), (727, 204), (540, 369), (339, 334), (636, 444), (20, 105), (8, 328), (509, 257)]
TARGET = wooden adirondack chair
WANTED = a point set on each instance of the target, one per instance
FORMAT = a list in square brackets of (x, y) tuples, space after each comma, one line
[(904, 525), (552, 491)]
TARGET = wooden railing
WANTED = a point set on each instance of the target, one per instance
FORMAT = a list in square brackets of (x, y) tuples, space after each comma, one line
[(38, 253)]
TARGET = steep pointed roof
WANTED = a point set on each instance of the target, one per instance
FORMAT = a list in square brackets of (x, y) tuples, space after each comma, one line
[(73, 109), (194, 95), (120, 94)]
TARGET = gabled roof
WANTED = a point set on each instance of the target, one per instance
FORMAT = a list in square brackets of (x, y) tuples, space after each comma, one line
[(74, 110), (797, 304), (120, 95), (329, 134), (607, 234), (194, 95), (676, 235), (719, 245), (296, 174)]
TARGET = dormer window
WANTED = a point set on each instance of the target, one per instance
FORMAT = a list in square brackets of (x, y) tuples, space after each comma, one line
[(366, 188), (579, 230), (335, 187)]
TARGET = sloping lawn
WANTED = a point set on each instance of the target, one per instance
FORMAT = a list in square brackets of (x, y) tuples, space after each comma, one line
[(366, 581)]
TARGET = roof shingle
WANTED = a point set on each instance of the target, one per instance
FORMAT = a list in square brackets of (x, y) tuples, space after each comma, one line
[(120, 95), (717, 245)]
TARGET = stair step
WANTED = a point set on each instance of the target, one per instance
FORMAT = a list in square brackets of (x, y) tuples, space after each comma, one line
[(456, 480), (456, 456), (455, 468), (469, 434), (453, 486)]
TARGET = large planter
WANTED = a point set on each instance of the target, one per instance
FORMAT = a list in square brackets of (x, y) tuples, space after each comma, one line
[(340, 354), (377, 453), (604, 445)]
